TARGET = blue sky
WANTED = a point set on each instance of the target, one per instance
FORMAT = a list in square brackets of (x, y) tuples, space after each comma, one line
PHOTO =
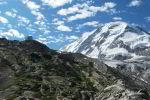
[(60, 22)]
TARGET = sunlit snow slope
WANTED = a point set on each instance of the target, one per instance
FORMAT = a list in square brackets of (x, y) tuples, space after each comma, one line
[(114, 40)]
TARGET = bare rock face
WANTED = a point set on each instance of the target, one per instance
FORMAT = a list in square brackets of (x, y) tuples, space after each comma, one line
[(30, 70), (6, 73)]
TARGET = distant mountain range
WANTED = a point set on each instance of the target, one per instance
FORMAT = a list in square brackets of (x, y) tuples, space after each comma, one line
[(119, 45)]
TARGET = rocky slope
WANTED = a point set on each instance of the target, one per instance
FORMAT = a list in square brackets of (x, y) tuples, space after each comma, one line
[(30, 70)]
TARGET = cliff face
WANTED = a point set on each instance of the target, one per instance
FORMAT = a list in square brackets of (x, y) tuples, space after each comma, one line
[(30, 70)]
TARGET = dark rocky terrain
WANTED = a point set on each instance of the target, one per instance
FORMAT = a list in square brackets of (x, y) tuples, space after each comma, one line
[(30, 70)]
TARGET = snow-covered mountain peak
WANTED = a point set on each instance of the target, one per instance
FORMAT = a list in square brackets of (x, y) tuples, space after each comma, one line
[(118, 45), (114, 26), (114, 40)]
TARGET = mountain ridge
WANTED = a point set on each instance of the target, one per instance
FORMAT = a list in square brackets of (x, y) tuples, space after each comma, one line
[(30, 70)]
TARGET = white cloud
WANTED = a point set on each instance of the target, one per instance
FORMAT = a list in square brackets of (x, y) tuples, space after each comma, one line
[(135, 3), (56, 3), (147, 19), (11, 13), (105, 8), (71, 38), (12, 33), (80, 8), (82, 11), (56, 39), (35, 9), (50, 39), (83, 14), (60, 25), (93, 23), (3, 20), (117, 18), (31, 5), (70, 10), (8, 13), (39, 15), (3, 2), (23, 21), (43, 40), (64, 28), (57, 22), (41, 21)]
